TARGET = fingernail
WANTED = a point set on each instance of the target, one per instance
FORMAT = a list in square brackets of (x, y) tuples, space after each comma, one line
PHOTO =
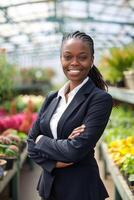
[(82, 129), (83, 126)]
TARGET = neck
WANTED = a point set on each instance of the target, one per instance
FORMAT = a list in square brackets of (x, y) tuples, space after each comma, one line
[(72, 85)]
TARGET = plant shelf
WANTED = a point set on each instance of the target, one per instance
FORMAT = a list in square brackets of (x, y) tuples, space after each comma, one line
[(121, 187), (13, 175), (122, 94)]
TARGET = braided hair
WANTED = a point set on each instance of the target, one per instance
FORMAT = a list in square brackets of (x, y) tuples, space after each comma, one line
[(94, 73)]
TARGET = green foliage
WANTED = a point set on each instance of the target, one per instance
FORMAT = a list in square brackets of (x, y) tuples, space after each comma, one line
[(10, 153), (119, 138), (4, 149), (116, 61), (120, 125), (7, 72), (22, 136), (128, 165)]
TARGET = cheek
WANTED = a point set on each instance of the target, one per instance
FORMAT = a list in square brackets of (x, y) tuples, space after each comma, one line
[(86, 71), (87, 63), (62, 62), (87, 66), (64, 67), (65, 64)]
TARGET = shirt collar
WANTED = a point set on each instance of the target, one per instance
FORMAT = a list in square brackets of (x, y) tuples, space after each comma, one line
[(63, 90)]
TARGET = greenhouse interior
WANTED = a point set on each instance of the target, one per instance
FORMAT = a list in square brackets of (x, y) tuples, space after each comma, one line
[(38, 60)]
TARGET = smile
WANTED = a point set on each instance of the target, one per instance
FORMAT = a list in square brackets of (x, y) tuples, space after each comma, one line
[(73, 70)]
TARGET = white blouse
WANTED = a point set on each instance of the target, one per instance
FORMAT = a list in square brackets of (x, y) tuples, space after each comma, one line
[(63, 105)]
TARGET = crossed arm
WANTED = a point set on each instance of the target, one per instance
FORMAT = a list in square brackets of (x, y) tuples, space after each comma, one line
[(73, 149), (34, 136), (34, 155), (76, 132)]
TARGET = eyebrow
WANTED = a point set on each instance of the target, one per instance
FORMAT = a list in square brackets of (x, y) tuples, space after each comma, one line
[(71, 53)]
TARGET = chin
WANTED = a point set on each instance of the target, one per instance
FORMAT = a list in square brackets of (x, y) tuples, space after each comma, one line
[(76, 78), (78, 81)]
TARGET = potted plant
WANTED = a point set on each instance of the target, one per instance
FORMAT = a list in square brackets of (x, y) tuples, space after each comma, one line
[(129, 78), (115, 62)]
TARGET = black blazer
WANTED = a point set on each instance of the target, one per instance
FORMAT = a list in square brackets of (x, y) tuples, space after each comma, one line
[(81, 181)]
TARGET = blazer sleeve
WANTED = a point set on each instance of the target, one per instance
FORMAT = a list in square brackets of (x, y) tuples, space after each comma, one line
[(44, 162), (74, 150)]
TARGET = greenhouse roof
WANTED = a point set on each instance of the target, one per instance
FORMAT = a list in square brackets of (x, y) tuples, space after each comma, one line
[(28, 27)]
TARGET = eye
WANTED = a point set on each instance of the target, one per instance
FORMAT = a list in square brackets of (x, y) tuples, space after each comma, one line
[(82, 57), (67, 57)]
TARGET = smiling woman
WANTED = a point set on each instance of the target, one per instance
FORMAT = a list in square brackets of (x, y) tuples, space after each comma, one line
[(70, 123), (76, 60), (77, 57)]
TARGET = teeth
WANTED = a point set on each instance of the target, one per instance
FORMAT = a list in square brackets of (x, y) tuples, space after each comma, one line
[(74, 70)]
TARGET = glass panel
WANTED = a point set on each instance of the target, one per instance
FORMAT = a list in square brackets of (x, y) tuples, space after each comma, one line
[(31, 11), (37, 24)]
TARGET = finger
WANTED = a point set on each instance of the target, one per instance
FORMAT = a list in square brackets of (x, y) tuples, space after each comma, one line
[(74, 133), (59, 165), (62, 164), (82, 126), (65, 165), (68, 164), (79, 128), (73, 136), (77, 131)]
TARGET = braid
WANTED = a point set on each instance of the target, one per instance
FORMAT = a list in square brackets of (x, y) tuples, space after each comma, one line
[(97, 78), (82, 36), (94, 73)]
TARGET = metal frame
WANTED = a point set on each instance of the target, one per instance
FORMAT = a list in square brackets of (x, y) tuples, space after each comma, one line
[(110, 23)]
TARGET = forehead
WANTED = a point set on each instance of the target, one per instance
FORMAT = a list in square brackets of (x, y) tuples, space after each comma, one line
[(75, 44)]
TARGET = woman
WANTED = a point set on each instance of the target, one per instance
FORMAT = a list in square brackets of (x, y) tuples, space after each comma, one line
[(69, 124)]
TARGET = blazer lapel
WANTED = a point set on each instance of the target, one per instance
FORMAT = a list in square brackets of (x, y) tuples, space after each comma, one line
[(53, 105), (77, 100)]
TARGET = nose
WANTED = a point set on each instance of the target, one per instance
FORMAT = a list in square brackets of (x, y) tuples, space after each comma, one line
[(74, 61)]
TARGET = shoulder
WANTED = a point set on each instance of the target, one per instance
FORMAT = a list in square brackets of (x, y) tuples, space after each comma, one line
[(94, 92), (48, 99), (52, 94), (101, 95)]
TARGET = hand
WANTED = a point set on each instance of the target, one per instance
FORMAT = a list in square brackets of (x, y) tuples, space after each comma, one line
[(62, 164), (77, 131), (32, 153)]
